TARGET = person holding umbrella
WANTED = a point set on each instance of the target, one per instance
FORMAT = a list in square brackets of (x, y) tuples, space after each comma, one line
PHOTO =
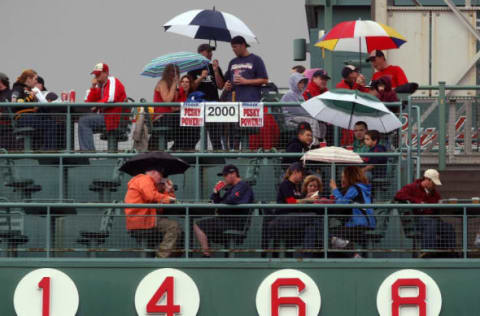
[(352, 79), (143, 189), (149, 171), (382, 68), (209, 80)]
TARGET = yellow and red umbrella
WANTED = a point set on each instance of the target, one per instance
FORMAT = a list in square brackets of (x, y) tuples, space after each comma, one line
[(361, 36)]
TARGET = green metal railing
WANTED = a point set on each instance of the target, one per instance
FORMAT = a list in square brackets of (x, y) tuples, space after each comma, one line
[(463, 212)]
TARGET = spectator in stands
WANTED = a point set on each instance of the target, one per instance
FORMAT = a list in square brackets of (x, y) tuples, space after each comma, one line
[(317, 85), (296, 114), (374, 169), (166, 90), (435, 232), (143, 189), (209, 80), (382, 89), (7, 140), (359, 130), (312, 190), (104, 89), (301, 143), (235, 191), (300, 226), (355, 189), (382, 68), (185, 138), (45, 127), (245, 75), (352, 79), (299, 69)]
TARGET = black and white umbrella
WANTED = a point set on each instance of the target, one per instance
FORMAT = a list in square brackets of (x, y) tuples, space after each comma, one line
[(209, 24)]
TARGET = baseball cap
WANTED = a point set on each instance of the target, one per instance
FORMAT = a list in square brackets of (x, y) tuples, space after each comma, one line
[(375, 53), (227, 170), (347, 70), (204, 47), (433, 175), (321, 73), (239, 40), (100, 67)]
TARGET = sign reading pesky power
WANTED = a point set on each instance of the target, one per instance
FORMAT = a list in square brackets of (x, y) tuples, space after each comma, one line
[(191, 114), (251, 114), (409, 293)]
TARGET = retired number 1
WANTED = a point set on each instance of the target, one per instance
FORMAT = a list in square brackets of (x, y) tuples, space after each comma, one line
[(44, 285)]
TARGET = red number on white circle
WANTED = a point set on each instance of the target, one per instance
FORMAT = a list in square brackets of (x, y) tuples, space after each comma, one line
[(167, 288), (44, 284)]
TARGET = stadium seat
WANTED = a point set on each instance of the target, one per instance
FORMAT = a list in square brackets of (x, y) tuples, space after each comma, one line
[(106, 186), (11, 230)]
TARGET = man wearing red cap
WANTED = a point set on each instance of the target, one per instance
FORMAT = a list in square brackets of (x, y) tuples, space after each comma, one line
[(382, 69), (104, 89)]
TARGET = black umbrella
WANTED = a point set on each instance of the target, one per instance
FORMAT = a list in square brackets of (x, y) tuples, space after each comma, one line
[(161, 161)]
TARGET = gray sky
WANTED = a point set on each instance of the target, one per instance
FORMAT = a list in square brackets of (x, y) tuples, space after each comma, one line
[(63, 39)]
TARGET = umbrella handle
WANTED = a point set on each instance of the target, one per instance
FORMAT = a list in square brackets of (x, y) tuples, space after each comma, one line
[(234, 96)]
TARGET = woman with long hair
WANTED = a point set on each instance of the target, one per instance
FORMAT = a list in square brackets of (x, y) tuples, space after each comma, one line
[(294, 226), (354, 189), (44, 127)]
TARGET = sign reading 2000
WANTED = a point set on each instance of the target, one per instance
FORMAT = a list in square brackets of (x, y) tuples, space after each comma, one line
[(171, 292)]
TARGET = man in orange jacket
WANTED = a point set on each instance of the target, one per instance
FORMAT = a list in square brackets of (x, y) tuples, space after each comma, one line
[(143, 189)]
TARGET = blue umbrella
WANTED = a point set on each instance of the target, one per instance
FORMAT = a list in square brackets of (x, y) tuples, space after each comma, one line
[(209, 24), (185, 61)]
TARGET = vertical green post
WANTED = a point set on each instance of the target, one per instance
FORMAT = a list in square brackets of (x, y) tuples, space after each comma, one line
[(325, 234), (69, 128), (442, 148), (197, 179), (328, 24), (409, 142), (465, 233), (187, 232), (48, 237)]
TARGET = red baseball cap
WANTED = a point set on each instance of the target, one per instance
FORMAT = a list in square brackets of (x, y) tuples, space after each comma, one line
[(100, 67)]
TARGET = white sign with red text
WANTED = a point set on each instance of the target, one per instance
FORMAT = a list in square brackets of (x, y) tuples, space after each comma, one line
[(46, 292), (251, 114), (288, 292), (168, 292), (192, 114), (409, 293)]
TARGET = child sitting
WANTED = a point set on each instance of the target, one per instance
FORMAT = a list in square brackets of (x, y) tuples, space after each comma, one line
[(373, 170)]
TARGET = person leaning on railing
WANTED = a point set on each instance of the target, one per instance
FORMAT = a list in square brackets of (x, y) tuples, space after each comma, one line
[(436, 233), (355, 189), (24, 91), (143, 189), (104, 89), (235, 191), (295, 226)]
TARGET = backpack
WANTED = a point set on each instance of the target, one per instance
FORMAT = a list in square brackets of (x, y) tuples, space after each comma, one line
[(363, 216)]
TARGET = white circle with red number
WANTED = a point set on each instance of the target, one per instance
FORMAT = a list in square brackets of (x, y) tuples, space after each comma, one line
[(48, 286), (433, 296), (185, 292), (288, 288)]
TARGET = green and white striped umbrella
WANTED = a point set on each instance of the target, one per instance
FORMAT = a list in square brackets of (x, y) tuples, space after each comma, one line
[(186, 61), (343, 108)]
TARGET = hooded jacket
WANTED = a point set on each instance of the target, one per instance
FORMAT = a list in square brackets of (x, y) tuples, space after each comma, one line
[(294, 146), (358, 193), (294, 95), (313, 90)]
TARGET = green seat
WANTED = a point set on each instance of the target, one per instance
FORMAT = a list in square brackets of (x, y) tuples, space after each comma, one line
[(106, 186)]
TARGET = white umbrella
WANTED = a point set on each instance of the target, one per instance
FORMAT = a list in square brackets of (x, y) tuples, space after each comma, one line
[(344, 108), (209, 24), (332, 154)]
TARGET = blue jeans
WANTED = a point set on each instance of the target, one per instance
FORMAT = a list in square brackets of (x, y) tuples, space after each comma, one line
[(436, 233), (86, 126), (46, 128)]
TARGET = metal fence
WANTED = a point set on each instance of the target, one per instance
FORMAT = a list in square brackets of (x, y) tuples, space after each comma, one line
[(320, 231), (96, 177), (72, 127)]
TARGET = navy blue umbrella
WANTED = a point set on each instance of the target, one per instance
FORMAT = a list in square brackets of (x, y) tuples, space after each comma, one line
[(209, 24)]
